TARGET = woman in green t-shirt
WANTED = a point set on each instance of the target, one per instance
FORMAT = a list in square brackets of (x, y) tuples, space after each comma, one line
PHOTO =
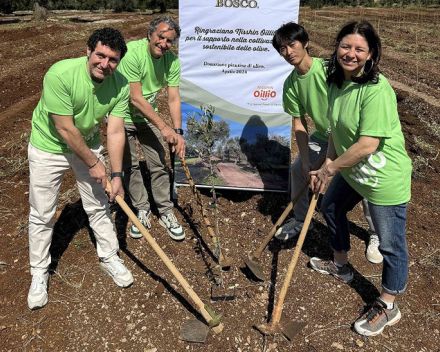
[(367, 159)]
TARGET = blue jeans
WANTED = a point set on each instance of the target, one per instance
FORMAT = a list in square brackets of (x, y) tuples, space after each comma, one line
[(389, 222)]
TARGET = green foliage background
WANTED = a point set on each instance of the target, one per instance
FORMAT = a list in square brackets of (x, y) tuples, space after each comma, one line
[(8, 6), (315, 4)]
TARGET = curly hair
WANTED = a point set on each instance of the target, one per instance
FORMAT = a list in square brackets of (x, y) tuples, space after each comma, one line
[(288, 33), (109, 37), (335, 73), (163, 19)]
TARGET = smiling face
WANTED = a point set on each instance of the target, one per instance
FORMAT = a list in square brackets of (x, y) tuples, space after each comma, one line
[(352, 53), (161, 40), (294, 52), (102, 62)]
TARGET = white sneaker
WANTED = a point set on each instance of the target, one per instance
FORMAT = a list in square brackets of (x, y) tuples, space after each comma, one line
[(372, 253), (144, 218), (37, 296), (290, 229), (118, 272), (174, 229)]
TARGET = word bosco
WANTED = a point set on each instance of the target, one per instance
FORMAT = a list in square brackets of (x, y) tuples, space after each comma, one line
[(237, 3)]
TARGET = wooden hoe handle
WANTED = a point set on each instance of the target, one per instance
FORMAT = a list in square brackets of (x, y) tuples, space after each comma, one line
[(280, 220), (279, 306), (182, 281)]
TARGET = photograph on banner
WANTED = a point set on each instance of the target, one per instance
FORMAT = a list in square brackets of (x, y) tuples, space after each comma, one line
[(231, 89)]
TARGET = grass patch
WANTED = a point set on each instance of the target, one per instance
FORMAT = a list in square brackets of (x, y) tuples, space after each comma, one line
[(423, 145), (11, 166), (421, 166), (17, 149), (434, 129)]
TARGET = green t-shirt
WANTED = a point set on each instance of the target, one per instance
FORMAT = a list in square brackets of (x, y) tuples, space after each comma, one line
[(384, 177), (68, 90), (139, 66), (307, 94)]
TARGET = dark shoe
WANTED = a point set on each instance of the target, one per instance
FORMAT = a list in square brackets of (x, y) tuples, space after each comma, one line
[(291, 229), (343, 273)]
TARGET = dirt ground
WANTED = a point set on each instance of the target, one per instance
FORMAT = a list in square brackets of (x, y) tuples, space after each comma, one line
[(87, 312)]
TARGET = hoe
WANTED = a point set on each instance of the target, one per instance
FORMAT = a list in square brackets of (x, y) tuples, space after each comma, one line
[(252, 260), (193, 331), (289, 328)]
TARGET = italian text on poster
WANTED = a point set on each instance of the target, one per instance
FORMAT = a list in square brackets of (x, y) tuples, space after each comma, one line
[(231, 87)]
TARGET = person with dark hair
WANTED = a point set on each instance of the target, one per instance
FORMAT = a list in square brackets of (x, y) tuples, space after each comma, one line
[(150, 66), (108, 37), (77, 95), (366, 158), (305, 93)]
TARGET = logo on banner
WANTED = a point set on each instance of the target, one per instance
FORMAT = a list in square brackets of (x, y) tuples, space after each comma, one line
[(237, 3), (265, 93)]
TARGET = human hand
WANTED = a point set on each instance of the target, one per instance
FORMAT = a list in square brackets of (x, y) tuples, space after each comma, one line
[(319, 179), (117, 189), (98, 172), (179, 147), (169, 135)]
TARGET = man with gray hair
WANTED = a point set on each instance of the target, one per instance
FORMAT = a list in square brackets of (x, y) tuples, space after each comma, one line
[(149, 66)]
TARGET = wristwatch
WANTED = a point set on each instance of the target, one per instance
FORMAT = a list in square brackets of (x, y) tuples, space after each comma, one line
[(178, 131), (116, 174)]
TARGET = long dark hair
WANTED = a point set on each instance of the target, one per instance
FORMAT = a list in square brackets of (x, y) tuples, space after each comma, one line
[(335, 74)]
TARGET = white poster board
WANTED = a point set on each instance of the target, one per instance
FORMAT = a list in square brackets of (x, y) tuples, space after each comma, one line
[(228, 62)]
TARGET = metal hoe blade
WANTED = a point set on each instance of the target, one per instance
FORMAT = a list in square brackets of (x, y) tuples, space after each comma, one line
[(194, 331), (218, 293), (291, 328), (254, 267)]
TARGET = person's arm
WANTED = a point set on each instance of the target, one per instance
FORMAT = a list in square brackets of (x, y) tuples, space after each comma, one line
[(73, 138), (115, 147), (176, 117), (357, 152), (302, 141), (138, 100)]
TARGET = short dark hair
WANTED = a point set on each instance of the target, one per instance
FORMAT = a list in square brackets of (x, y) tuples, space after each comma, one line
[(109, 37), (163, 19), (366, 30), (288, 33)]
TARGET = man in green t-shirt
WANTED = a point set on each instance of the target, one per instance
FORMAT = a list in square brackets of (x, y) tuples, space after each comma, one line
[(77, 95), (150, 66), (305, 94)]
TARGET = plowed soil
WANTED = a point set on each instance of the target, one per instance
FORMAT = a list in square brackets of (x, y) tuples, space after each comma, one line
[(87, 312)]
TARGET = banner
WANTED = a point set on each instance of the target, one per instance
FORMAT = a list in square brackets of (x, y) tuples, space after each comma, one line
[(231, 87)]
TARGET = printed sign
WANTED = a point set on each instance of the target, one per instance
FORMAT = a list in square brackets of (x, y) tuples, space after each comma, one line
[(231, 88)]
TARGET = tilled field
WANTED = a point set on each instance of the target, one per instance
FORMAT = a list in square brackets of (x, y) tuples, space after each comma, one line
[(87, 312)]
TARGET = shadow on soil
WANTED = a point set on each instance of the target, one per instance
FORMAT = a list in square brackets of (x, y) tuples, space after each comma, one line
[(121, 221), (73, 218), (316, 244)]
